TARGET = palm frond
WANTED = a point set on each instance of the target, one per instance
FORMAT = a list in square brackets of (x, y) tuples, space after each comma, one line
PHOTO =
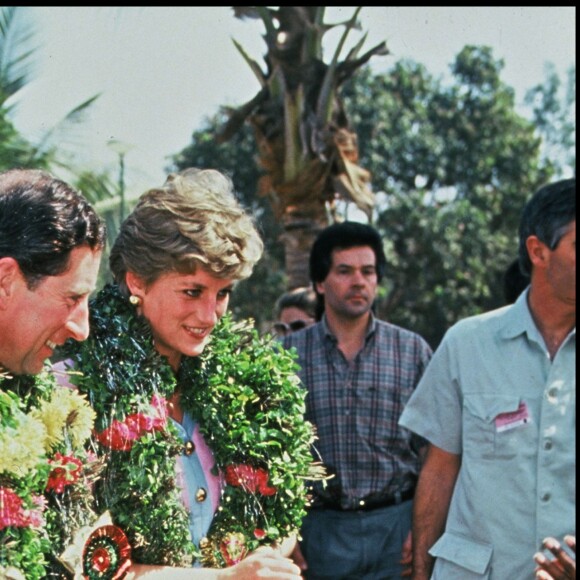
[(16, 51), (324, 104), (67, 130), (251, 63)]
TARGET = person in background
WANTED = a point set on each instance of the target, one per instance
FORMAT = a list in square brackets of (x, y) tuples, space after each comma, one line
[(497, 405), (358, 372), (51, 241), (172, 463), (295, 310)]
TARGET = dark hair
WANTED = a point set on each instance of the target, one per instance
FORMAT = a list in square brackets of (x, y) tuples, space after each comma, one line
[(547, 215), (303, 298), (42, 219), (343, 236), (514, 282)]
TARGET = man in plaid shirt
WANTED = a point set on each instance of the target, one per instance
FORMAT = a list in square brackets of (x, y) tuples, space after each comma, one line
[(359, 373)]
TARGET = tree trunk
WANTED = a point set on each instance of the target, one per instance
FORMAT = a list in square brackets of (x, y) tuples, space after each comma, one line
[(298, 237)]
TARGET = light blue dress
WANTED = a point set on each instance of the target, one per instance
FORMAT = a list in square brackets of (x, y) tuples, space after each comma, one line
[(200, 489)]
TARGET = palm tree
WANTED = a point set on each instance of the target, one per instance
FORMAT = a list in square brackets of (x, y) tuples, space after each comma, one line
[(17, 52), (15, 62), (307, 150)]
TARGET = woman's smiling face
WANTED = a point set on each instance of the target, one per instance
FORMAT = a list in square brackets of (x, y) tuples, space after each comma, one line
[(182, 310)]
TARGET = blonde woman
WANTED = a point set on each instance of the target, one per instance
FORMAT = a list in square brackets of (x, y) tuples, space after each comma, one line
[(200, 482)]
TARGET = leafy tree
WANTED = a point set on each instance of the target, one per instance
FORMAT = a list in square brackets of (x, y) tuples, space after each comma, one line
[(15, 62), (452, 166), (554, 113), (456, 164), (17, 54)]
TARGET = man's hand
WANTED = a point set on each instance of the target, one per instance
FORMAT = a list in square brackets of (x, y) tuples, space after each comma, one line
[(562, 567), (407, 556), (298, 558)]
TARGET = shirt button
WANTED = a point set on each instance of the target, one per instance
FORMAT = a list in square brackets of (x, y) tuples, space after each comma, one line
[(546, 496), (200, 495), (552, 392), (548, 445), (189, 448)]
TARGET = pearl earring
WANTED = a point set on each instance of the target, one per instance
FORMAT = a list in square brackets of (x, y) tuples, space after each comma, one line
[(134, 300)]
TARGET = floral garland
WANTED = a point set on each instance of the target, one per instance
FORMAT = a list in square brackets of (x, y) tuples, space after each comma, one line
[(45, 473), (244, 393)]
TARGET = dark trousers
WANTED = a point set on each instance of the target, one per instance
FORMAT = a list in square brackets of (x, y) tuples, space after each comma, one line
[(355, 545)]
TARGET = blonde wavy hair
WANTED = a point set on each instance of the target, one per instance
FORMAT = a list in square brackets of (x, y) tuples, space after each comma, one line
[(193, 220)]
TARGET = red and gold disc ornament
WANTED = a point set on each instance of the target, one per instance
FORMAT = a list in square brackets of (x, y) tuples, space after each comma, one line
[(106, 554)]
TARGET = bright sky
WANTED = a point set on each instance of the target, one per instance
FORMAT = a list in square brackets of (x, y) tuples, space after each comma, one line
[(163, 70)]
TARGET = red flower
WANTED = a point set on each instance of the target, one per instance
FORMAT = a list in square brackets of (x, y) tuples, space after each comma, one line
[(117, 437), (252, 479), (12, 513), (66, 471), (259, 534), (139, 424), (159, 405)]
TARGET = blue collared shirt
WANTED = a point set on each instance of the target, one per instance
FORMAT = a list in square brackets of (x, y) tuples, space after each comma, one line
[(492, 395)]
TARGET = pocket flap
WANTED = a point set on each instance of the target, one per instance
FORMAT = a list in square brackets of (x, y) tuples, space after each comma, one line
[(488, 407), (462, 551)]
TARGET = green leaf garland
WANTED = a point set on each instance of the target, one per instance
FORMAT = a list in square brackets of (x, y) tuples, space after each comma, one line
[(244, 393)]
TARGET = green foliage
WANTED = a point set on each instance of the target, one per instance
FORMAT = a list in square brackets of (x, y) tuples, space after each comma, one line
[(15, 52), (253, 406), (23, 547), (120, 373), (244, 393), (553, 109), (15, 62), (15, 151), (456, 164)]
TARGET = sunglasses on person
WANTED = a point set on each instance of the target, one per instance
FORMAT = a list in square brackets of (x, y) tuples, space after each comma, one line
[(283, 328)]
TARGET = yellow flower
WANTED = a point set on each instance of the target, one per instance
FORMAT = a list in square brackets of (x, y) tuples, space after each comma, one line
[(68, 418), (22, 445)]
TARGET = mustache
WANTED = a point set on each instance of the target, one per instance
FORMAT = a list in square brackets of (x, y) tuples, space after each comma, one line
[(357, 294)]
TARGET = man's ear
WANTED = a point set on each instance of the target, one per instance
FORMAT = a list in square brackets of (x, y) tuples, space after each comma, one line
[(538, 252), (10, 273)]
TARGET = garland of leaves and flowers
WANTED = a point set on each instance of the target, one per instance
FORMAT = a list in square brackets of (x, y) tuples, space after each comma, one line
[(45, 473), (244, 393)]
